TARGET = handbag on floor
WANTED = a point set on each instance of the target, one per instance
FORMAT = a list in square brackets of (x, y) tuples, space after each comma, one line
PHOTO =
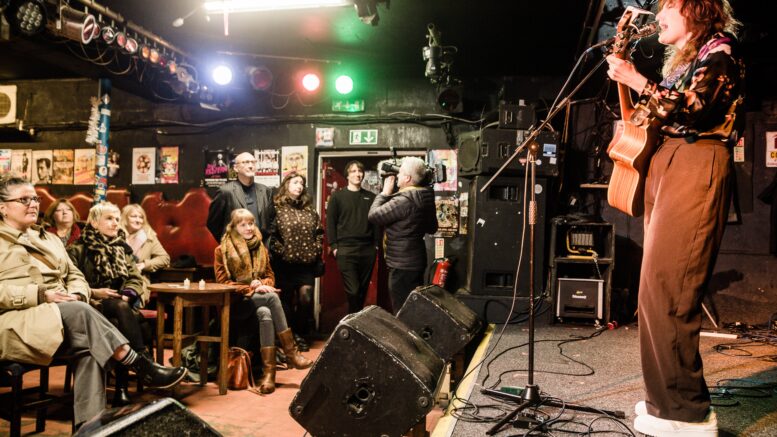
[(239, 369)]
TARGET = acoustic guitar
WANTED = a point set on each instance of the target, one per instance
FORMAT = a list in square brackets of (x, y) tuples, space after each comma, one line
[(634, 140)]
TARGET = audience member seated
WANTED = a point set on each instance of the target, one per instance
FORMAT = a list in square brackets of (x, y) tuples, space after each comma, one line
[(118, 289), (149, 254), (61, 218), (43, 311), (242, 259), (296, 244)]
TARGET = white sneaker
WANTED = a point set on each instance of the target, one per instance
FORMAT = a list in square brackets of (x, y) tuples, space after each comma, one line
[(640, 409), (656, 427)]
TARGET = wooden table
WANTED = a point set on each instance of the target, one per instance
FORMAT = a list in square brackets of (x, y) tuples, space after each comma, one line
[(217, 295)]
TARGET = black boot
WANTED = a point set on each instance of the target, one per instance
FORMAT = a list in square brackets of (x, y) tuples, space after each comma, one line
[(155, 376), (121, 395)]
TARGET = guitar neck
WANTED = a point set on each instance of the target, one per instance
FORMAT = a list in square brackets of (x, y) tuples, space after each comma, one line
[(624, 99)]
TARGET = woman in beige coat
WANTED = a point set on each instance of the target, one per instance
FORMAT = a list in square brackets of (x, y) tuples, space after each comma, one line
[(43, 302), (150, 256)]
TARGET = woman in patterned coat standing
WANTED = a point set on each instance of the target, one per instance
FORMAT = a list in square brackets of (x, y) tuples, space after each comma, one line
[(296, 249)]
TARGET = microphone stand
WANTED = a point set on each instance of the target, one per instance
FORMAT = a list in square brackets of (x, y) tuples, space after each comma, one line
[(531, 393)]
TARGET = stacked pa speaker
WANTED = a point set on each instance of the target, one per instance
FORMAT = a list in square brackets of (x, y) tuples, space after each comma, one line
[(378, 375)]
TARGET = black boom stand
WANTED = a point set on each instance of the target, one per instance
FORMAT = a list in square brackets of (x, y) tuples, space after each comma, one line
[(531, 394)]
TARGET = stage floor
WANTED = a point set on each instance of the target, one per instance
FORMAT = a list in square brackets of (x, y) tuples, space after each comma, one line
[(601, 369)]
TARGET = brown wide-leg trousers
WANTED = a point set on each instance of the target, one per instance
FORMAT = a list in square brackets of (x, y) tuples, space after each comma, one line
[(686, 205)]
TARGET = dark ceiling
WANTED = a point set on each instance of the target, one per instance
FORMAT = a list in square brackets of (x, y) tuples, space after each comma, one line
[(492, 37)]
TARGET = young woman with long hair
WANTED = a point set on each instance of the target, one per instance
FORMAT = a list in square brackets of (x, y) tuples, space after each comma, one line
[(242, 259), (686, 205)]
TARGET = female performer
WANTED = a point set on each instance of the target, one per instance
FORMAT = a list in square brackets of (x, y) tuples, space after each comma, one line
[(686, 204)]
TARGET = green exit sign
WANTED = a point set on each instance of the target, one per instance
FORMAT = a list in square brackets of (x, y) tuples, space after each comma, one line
[(347, 105)]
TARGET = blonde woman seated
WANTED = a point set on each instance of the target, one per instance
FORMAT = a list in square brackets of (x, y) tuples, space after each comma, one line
[(149, 254), (61, 218), (43, 309), (241, 259), (118, 289)]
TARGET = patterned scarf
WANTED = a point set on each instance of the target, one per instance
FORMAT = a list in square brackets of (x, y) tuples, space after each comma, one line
[(245, 260), (107, 253)]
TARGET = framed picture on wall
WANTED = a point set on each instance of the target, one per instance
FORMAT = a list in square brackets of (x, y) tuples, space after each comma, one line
[(21, 163), (62, 166), (83, 173), (42, 174)]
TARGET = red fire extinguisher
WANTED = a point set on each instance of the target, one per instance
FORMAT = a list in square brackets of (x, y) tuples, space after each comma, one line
[(442, 267)]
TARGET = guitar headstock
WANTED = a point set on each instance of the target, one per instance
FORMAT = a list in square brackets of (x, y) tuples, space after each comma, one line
[(627, 26)]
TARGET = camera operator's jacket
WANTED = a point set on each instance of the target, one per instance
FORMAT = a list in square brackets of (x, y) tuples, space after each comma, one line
[(407, 216)]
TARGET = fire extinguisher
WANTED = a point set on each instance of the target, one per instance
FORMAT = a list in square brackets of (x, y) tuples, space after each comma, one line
[(441, 269)]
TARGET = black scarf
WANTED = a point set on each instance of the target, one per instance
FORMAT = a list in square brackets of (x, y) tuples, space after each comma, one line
[(108, 254)]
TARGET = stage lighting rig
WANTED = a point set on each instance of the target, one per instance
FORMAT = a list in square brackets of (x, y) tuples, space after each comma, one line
[(439, 58), (27, 17), (367, 10)]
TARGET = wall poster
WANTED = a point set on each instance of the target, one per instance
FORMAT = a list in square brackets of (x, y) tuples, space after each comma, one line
[(267, 167), (62, 166), (295, 159), (21, 163), (448, 158), (84, 166), (143, 165), (42, 162), (168, 164), (216, 167), (447, 216), (5, 161)]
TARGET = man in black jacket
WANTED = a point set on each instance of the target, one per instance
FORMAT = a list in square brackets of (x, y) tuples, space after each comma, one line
[(407, 216), (242, 193)]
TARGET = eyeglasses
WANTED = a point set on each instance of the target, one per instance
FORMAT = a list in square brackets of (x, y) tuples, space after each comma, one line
[(25, 200), (252, 161)]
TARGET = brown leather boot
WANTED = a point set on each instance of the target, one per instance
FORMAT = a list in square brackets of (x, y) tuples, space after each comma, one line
[(267, 383), (293, 357)]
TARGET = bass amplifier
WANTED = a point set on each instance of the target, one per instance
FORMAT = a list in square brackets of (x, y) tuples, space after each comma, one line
[(580, 298), (484, 151)]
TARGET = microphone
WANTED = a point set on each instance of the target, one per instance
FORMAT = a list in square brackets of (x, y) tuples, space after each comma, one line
[(641, 32)]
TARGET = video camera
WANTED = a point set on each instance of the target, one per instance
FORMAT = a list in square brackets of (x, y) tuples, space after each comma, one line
[(432, 175)]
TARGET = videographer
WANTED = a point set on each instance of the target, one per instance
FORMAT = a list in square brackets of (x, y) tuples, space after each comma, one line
[(406, 215)]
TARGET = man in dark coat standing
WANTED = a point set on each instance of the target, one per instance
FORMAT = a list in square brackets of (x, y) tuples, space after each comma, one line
[(242, 193), (407, 216)]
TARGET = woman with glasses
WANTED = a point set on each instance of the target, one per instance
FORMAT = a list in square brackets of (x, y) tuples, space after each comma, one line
[(43, 309)]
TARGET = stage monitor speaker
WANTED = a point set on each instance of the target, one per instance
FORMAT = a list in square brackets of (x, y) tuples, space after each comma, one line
[(496, 221), (445, 322), (162, 417), (484, 151), (374, 377)]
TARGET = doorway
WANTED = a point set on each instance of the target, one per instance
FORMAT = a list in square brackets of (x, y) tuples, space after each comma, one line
[(330, 302)]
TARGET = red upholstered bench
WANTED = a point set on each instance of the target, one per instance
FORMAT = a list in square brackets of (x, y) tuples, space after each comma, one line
[(82, 201), (182, 226)]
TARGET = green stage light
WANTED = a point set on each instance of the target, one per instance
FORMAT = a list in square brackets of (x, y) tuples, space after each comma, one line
[(344, 84)]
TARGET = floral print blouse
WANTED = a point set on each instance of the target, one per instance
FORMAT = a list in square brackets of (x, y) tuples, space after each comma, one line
[(702, 102), (297, 235)]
